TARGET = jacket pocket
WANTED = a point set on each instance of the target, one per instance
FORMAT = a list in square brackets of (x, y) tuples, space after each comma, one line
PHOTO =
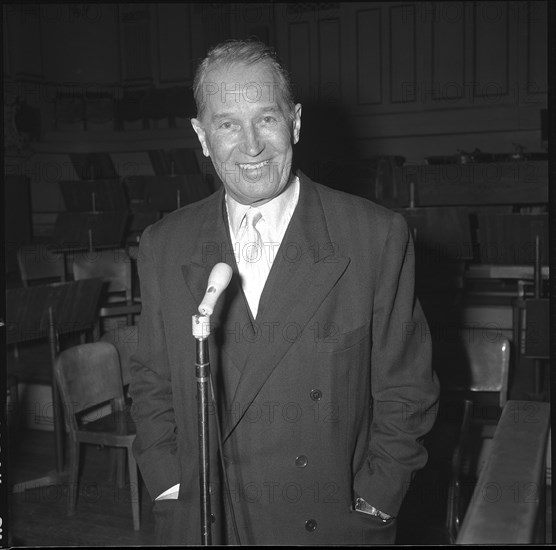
[(343, 340)]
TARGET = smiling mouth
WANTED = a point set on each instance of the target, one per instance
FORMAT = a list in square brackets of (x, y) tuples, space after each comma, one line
[(250, 166)]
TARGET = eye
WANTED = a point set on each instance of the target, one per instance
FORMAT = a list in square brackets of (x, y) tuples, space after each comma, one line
[(269, 119), (225, 125)]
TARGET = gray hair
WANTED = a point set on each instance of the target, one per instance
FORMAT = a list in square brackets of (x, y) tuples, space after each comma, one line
[(247, 52)]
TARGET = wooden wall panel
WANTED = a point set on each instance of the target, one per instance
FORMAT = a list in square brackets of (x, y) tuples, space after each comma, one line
[(448, 52), (24, 40), (330, 53), (211, 23), (491, 49), (537, 29), (175, 63), (255, 20), (368, 56), (402, 69), (136, 43), (300, 56), (79, 44)]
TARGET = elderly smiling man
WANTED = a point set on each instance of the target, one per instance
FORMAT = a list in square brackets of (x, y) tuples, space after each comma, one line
[(323, 385)]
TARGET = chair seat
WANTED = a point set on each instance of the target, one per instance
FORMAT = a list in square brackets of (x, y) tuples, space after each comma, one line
[(114, 423), (106, 439)]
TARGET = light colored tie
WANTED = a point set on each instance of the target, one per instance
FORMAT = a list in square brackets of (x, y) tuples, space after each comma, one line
[(253, 265)]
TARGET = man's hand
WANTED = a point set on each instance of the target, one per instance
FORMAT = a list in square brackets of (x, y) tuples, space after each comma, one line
[(362, 506)]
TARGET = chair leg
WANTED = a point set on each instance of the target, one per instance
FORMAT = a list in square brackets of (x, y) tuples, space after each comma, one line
[(134, 489), (120, 467), (73, 477)]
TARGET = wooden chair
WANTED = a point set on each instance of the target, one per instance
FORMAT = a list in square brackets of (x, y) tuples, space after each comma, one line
[(88, 376), (474, 380), (38, 264), (124, 339), (113, 266)]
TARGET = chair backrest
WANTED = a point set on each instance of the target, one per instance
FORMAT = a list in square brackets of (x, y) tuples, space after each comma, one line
[(113, 266), (88, 375), (475, 363), (125, 341), (38, 263)]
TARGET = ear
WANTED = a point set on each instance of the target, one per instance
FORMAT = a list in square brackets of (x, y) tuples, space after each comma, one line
[(200, 131), (297, 123)]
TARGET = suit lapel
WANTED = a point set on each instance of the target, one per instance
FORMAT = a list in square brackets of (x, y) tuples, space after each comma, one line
[(305, 271), (231, 322)]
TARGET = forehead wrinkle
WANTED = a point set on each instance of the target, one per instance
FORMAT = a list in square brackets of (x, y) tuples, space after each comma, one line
[(272, 108)]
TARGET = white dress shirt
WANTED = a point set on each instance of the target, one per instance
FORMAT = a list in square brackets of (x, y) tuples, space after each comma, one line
[(276, 216)]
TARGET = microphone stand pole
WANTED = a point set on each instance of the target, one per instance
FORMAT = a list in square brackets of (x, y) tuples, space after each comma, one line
[(201, 331)]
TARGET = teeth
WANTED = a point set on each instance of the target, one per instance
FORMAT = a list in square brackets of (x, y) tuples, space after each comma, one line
[(253, 166)]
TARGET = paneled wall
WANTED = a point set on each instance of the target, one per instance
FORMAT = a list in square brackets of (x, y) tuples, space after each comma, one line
[(419, 79), (412, 79)]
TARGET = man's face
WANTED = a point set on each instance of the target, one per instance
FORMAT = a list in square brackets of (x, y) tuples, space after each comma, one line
[(247, 131)]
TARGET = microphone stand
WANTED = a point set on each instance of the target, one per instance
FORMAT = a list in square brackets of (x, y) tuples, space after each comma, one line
[(219, 279), (201, 331)]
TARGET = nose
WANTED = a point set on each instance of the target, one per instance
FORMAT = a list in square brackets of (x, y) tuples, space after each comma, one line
[(252, 144)]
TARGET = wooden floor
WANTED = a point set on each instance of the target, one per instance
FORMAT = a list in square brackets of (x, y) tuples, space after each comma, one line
[(38, 517)]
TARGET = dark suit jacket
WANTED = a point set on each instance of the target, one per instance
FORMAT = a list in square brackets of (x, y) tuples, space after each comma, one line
[(324, 396)]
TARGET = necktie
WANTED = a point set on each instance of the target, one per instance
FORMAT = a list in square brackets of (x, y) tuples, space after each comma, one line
[(253, 265)]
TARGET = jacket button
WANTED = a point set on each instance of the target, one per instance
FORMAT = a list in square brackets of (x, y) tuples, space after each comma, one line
[(301, 461), (310, 525), (316, 395)]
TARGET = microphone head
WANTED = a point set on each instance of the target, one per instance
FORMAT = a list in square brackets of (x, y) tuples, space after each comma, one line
[(218, 280)]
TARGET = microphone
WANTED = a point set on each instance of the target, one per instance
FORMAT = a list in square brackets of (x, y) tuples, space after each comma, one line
[(218, 280)]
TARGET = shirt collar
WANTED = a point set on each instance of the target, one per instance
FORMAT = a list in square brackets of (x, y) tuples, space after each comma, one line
[(276, 212)]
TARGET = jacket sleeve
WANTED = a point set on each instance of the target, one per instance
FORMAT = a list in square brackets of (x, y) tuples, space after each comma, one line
[(404, 387), (155, 446)]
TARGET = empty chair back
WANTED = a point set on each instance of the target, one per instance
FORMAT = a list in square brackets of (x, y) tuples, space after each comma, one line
[(112, 266), (474, 363), (124, 340), (88, 375), (89, 378), (489, 367), (38, 263)]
